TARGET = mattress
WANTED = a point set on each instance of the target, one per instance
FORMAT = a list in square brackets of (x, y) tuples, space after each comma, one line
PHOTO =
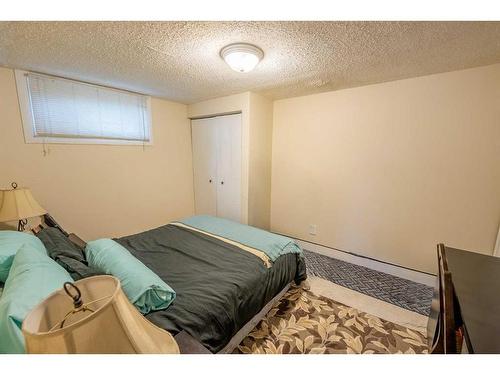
[(219, 286)]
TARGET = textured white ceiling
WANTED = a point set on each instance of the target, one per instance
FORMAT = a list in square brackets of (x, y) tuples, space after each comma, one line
[(180, 60)]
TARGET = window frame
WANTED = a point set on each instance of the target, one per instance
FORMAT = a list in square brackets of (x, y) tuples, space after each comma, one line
[(28, 122)]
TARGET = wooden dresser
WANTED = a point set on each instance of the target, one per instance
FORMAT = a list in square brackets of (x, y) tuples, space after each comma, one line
[(476, 284)]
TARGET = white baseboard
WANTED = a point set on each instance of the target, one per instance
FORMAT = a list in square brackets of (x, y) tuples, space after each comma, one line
[(405, 273), (496, 250)]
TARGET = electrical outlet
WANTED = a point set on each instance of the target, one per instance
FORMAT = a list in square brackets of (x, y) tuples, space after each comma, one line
[(313, 229)]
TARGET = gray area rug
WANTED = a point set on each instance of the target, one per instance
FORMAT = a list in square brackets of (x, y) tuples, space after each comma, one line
[(392, 289)]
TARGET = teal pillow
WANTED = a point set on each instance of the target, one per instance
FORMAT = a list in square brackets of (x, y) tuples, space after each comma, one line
[(10, 243), (32, 277), (142, 286)]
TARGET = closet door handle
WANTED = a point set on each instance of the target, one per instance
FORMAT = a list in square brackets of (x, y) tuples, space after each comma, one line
[(210, 181), (222, 182)]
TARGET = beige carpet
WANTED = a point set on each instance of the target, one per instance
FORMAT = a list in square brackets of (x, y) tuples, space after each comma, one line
[(303, 322)]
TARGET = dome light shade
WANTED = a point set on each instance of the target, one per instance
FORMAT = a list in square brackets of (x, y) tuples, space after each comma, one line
[(242, 57)]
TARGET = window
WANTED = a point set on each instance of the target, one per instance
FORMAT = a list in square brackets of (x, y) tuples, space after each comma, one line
[(59, 110)]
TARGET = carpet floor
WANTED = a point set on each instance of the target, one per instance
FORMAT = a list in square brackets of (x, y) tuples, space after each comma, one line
[(302, 322), (392, 289)]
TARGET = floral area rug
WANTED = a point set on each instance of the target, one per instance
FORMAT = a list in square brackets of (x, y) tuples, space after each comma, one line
[(302, 322)]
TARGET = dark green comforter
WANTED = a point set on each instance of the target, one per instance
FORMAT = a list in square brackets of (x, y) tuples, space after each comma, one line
[(219, 286)]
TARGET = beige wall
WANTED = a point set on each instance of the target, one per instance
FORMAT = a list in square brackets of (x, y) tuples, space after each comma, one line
[(259, 186), (390, 170), (102, 190)]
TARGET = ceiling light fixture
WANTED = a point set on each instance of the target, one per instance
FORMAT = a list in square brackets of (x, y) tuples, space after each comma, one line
[(242, 57)]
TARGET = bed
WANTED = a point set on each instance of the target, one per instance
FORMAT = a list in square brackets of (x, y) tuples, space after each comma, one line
[(223, 287)]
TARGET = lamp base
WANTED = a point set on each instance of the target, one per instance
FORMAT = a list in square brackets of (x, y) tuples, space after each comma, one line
[(21, 226)]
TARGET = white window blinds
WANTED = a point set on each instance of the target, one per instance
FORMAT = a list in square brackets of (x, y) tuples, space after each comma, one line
[(63, 108)]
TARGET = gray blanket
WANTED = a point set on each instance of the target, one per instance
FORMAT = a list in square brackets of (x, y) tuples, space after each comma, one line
[(219, 287)]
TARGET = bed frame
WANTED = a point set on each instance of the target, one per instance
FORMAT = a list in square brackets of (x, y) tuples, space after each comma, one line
[(247, 328), (187, 344)]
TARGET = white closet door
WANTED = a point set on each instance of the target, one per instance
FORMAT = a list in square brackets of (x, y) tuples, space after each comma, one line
[(204, 142), (229, 166)]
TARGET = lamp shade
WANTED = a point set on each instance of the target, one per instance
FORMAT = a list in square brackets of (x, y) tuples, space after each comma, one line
[(18, 204), (112, 325)]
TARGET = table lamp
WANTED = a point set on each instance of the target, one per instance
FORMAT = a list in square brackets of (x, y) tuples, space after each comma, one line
[(92, 316), (18, 204)]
